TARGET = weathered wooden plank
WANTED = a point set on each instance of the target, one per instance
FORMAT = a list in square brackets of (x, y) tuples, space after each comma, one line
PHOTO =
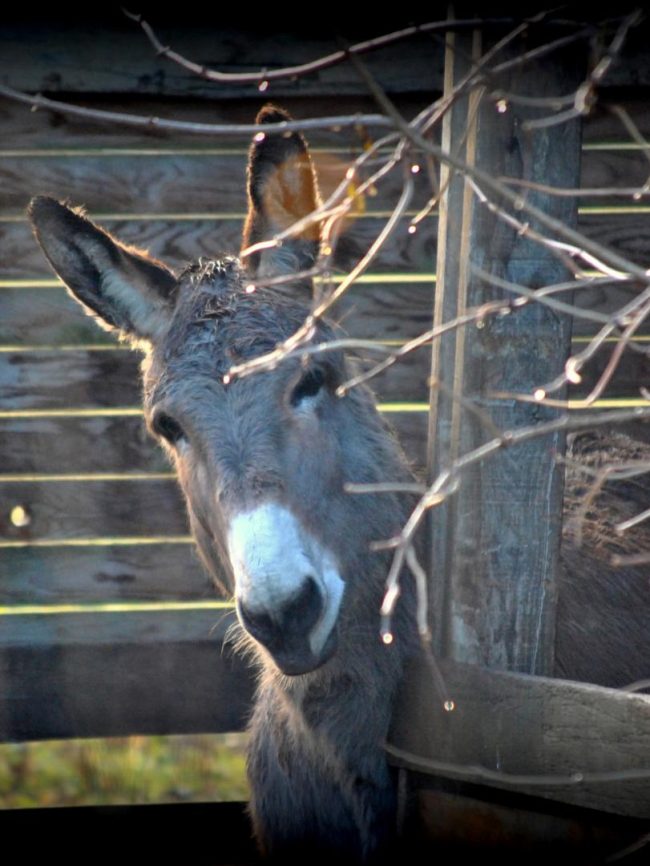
[(51, 379), (28, 130), (214, 180), (78, 445), (171, 183), (103, 674), (626, 233), (603, 124), (56, 380), (120, 444), (25, 130), (80, 59), (178, 241), (512, 724), (49, 317), (498, 609), (612, 168), (84, 509), (76, 379), (373, 310), (56, 576), (111, 509), (474, 822)]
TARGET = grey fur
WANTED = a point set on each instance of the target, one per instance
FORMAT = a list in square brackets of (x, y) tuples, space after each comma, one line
[(320, 782)]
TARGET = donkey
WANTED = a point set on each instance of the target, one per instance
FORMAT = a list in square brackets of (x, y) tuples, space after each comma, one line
[(263, 462)]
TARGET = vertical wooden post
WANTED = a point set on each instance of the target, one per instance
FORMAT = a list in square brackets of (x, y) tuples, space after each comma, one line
[(495, 543)]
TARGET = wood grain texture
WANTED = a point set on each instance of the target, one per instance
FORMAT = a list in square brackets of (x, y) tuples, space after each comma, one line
[(212, 179), (78, 445), (45, 130), (49, 317), (51, 576), (176, 183), (51, 379), (95, 508), (99, 675), (81, 59), (494, 544), (179, 241), (521, 725), (120, 444), (373, 310)]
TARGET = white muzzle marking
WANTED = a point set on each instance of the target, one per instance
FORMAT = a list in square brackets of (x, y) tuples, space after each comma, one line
[(272, 554)]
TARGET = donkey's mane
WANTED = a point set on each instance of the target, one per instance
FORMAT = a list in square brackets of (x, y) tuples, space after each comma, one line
[(239, 320)]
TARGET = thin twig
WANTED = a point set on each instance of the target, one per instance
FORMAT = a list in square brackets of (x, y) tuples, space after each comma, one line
[(265, 76), (140, 121)]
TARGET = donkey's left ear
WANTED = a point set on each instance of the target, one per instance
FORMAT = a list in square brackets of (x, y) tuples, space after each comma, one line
[(282, 188), (124, 287)]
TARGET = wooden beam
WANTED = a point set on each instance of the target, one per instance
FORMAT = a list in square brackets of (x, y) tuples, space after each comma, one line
[(80, 58), (105, 674), (495, 542), (559, 740)]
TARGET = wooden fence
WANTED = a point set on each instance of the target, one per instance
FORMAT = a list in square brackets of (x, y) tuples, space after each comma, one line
[(98, 580)]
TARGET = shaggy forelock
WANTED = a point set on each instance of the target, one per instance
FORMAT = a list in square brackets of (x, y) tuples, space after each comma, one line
[(219, 319)]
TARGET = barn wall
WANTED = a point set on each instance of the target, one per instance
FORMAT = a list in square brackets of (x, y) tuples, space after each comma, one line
[(104, 520)]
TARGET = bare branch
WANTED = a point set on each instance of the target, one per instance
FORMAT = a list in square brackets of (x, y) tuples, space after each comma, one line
[(476, 773), (265, 76), (343, 120)]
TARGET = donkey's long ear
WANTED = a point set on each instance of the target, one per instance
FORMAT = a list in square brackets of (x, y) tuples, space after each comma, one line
[(282, 188), (124, 287)]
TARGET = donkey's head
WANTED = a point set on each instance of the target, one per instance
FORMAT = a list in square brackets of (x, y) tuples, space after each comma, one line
[(263, 459)]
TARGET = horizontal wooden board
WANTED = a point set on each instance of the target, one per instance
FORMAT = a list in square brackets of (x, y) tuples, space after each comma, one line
[(214, 180), (466, 820), (506, 723), (602, 124), (51, 379), (627, 234), (77, 379), (119, 444), (79, 445), (612, 169), (79, 510), (81, 59), (49, 317), (370, 310), (176, 183), (29, 130), (180, 241), (93, 575), (103, 674)]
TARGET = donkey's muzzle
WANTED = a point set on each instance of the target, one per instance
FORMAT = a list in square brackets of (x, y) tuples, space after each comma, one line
[(286, 632)]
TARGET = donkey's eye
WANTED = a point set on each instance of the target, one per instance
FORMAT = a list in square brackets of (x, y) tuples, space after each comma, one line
[(308, 386), (167, 428)]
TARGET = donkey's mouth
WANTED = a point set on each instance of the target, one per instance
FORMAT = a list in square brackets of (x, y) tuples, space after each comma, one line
[(296, 657)]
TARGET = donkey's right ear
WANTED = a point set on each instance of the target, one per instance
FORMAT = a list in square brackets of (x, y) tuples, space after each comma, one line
[(127, 289), (282, 188)]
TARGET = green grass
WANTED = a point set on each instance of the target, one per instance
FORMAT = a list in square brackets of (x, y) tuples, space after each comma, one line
[(127, 770)]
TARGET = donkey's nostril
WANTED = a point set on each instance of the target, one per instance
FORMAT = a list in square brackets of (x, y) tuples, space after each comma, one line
[(282, 625), (258, 624), (304, 610)]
